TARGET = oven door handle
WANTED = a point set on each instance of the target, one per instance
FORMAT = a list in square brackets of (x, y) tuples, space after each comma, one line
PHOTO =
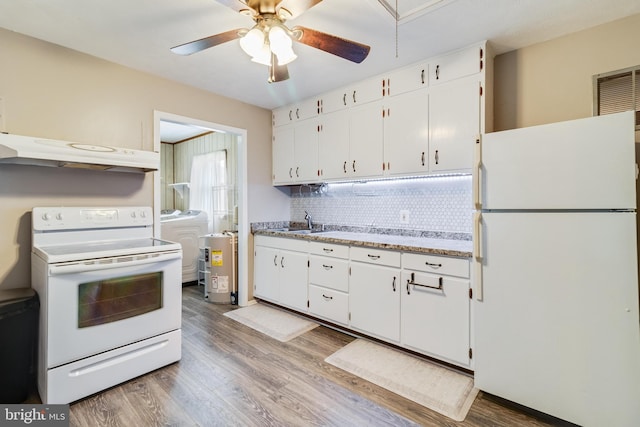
[(116, 262)]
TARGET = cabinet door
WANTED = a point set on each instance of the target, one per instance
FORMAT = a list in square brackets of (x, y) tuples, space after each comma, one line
[(366, 91), (406, 133), (454, 123), (436, 321), (366, 141), (374, 300), (456, 65), (333, 145), (266, 273), (293, 279), (407, 79), (283, 154), (306, 151)]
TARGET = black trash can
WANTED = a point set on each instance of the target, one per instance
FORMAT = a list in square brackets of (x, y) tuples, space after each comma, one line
[(19, 310)]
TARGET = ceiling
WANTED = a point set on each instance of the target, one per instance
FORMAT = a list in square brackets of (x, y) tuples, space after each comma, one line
[(138, 34)]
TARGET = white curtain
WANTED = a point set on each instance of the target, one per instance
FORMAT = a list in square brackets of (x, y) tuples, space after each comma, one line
[(208, 188)]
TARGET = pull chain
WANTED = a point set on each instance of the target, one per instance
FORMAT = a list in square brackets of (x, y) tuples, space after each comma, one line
[(396, 28)]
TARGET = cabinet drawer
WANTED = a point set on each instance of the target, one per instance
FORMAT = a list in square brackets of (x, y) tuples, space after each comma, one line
[(329, 249), (329, 272), (329, 304), (436, 264), (376, 256), (297, 245)]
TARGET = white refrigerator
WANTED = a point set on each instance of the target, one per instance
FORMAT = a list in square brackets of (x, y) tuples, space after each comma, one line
[(555, 269)]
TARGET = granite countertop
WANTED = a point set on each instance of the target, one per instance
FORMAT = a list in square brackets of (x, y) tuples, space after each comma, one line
[(458, 246)]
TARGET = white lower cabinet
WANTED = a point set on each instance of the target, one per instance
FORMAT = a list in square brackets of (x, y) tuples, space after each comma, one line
[(435, 307), (281, 271), (329, 304), (416, 301), (374, 300), (329, 282)]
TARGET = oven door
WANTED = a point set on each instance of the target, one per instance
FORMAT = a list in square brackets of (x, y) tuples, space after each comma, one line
[(98, 305)]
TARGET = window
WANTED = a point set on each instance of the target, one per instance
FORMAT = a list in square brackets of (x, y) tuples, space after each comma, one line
[(208, 188), (618, 91)]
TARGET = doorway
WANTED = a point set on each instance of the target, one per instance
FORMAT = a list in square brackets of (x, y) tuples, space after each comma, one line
[(175, 123)]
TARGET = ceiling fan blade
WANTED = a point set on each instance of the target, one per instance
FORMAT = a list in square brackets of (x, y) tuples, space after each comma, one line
[(277, 73), (347, 49), (296, 7), (207, 42), (238, 6)]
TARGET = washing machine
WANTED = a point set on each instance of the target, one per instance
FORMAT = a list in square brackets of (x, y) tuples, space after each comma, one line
[(186, 228)]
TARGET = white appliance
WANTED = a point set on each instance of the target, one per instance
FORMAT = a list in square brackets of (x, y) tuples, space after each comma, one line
[(186, 228), (556, 318), (28, 150), (219, 267), (110, 298)]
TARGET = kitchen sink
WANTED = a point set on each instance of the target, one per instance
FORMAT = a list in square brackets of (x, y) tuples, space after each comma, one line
[(305, 231)]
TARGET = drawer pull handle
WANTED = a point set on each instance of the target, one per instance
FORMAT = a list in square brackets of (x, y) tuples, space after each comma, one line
[(373, 256), (327, 297), (432, 265), (394, 283), (328, 250), (275, 260), (327, 267), (413, 282)]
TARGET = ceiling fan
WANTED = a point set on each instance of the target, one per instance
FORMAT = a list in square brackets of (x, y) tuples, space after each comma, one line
[(269, 41)]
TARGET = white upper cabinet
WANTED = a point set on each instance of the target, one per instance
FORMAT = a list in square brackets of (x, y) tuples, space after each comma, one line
[(454, 124), (295, 153), (360, 93), (333, 145), (366, 134), (295, 112), (406, 134), (406, 79), (456, 65), (417, 120)]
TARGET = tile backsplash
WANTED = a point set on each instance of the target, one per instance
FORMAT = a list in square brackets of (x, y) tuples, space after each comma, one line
[(440, 204)]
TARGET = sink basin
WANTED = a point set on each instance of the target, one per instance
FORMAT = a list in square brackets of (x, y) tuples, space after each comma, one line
[(305, 231)]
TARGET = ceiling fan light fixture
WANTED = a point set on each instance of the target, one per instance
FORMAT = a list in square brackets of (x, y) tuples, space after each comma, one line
[(281, 45), (263, 56), (253, 42)]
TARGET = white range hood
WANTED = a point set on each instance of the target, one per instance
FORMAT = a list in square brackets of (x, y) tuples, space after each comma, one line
[(25, 150)]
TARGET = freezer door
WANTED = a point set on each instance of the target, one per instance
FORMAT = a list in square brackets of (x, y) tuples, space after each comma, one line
[(558, 328), (580, 164)]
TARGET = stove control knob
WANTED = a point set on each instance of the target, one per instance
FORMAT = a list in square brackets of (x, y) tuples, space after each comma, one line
[(142, 214), (133, 214), (59, 216), (46, 216)]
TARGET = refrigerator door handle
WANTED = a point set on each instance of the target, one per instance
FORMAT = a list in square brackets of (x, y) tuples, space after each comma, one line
[(477, 254), (477, 165)]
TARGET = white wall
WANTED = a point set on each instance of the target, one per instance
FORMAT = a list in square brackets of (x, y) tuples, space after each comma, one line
[(552, 81), (53, 92)]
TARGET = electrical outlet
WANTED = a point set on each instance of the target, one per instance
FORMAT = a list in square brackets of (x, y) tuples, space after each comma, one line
[(404, 217)]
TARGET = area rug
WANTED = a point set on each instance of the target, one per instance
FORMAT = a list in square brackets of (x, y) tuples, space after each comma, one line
[(278, 324), (443, 390)]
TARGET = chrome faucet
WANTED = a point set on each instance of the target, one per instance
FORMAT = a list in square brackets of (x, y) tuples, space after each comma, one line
[(308, 218)]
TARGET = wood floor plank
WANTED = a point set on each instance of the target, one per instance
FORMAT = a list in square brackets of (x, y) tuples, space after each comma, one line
[(232, 375)]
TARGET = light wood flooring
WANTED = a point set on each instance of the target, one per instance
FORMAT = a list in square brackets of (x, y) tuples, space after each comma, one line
[(231, 375)]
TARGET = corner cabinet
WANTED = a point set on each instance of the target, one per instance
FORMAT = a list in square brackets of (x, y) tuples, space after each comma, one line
[(417, 120)]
